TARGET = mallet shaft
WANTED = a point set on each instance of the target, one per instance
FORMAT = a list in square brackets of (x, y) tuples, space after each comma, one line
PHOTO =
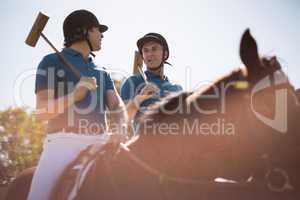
[(63, 59)]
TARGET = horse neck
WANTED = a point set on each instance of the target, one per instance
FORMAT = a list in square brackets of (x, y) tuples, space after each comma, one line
[(159, 151)]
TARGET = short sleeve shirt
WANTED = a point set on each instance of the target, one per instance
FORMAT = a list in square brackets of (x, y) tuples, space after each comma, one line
[(134, 84), (88, 113)]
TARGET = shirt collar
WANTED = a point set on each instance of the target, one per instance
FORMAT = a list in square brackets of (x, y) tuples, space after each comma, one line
[(152, 75), (73, 52)]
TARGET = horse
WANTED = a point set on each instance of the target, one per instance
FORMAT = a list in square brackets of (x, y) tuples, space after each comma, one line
[(178, 154), (19, 188), (173, 157)]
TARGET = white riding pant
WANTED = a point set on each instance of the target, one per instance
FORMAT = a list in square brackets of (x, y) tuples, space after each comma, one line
[(59, 150)]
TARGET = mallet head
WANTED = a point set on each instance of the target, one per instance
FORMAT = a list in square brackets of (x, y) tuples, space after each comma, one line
[(37, 29)]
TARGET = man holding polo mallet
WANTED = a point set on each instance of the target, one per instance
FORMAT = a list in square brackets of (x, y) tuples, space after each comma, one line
[(146, 88), (72, 96)]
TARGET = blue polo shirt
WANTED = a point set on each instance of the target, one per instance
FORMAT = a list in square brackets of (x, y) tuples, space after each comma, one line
[(86, 115), (134, 84)]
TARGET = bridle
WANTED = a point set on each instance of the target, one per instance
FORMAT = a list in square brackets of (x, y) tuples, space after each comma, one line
[(267, 183), (164, 179)]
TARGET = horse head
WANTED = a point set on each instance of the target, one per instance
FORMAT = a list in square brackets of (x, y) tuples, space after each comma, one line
[(239, 127)]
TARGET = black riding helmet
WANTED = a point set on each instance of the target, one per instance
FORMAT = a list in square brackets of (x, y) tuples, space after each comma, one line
[(156, 37), (77, 24)]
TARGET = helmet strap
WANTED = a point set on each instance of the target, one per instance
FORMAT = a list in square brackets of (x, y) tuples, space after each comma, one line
[(86, 36)]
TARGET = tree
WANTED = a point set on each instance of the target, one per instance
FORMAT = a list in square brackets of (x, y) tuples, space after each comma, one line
[(21, 139)]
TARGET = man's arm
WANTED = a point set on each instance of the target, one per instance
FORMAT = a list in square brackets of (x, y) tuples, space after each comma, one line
[(119, 117), (48, 107), (133, 105)]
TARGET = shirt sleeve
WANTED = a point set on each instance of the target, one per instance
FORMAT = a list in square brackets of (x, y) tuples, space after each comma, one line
[(128, 89), (45, 75), (109, 84), (179, 88)]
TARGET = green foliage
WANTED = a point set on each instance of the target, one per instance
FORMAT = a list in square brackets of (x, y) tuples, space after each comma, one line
[(21, 139)]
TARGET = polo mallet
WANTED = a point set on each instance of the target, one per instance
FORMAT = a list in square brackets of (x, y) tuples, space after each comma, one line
[(137, 65), (137, 62), (143, 75), (36, 32)]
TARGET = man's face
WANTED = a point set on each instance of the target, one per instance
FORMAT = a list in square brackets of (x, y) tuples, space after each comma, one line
[(95, 37), (152, 54)]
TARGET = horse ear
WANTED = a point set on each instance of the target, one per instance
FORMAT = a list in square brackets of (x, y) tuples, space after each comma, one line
[(249, 52)]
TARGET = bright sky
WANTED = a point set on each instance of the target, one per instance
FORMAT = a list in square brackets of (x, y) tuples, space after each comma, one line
[(203, 36)]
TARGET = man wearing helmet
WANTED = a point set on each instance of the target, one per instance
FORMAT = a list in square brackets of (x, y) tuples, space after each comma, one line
[(135, 91), (74, 107)]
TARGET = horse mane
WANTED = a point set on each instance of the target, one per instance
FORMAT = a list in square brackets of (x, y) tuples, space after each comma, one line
[(234, 75), (186, 97)]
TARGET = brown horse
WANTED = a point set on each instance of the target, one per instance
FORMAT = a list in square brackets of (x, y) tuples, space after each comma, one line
[(19, 188), (179, 154), (243, 127)]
